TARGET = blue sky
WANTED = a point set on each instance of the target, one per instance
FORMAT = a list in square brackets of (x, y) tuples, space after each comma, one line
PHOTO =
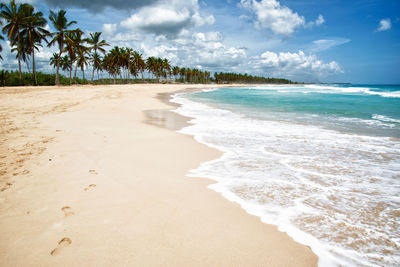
[(326, 40)]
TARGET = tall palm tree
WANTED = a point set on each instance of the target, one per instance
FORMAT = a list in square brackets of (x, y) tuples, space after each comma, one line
[(129, 64), (70, 49), (139, 62), (175, 71), (189, 75), (1, 38), (34, 33), (13, 14), (95, 59), (96, 44), (151, 65), (182, 73), (80, 50), (61, 24), (82, 59)]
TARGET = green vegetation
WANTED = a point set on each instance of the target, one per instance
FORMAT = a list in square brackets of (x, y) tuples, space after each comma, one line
[(25, 29), (244, 78)]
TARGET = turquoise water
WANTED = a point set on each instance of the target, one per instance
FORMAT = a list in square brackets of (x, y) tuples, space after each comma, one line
[(322, 162), (368, 109)]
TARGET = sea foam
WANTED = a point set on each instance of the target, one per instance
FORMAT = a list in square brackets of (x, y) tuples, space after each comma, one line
[(336, 192)]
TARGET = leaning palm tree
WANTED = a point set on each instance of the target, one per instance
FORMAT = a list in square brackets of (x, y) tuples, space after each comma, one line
[(61, 24), (34, 33), (96, 44), (14, 16)]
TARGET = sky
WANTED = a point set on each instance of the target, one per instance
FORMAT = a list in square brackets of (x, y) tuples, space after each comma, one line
[(354, 41)]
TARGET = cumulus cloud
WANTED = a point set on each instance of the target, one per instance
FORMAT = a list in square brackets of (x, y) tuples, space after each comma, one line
[(325, 44), (99, 5), (109, 29), (318, 22), (167, 18), (280, 20), (384, 25), (287, 64)]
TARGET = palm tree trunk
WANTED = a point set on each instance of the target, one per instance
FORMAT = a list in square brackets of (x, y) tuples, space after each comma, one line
[(58, 68), (93, 74), (83, 71), (19, 61), (76, 67), (34, 67), (70, 73)]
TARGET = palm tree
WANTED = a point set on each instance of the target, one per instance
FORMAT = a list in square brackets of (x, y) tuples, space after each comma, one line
[(60, 36), (96, 44), (1, 38), (175, 71), (139, 62), (151, 65), (70, 49), (54, 59), (23, 51), (33, 33), (182, 73), (189, 75), (82, 60), (127, 61), (65, 63), (166, 68), (80, 51), (13, 14), (95, 59)]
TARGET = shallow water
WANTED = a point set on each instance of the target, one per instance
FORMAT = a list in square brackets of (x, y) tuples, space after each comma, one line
[(309, 159)]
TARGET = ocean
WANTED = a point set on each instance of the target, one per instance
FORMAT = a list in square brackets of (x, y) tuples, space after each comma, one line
[(322, 162)]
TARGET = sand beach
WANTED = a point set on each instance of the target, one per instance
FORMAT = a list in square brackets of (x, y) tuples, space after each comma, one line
[(89, 177)]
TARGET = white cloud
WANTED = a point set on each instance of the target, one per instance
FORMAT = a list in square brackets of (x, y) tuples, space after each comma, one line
[(384, 25), (300, 65), (325, 44), (320, 20), (281, 20), (109, 29), (167, 18)]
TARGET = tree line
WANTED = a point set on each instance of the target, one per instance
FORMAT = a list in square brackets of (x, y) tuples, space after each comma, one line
[(26, 31), (226, 77)]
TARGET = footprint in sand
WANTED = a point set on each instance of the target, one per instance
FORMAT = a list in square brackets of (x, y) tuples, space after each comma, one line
[(92, 172), (8, 185), (91, 186), (67, 211), (65, 242)]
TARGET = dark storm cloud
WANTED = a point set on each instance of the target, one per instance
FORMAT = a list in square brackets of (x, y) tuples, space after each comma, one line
[(99, 5)]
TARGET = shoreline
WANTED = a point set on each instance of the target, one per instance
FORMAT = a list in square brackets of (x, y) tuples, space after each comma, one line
[(103, 187)]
